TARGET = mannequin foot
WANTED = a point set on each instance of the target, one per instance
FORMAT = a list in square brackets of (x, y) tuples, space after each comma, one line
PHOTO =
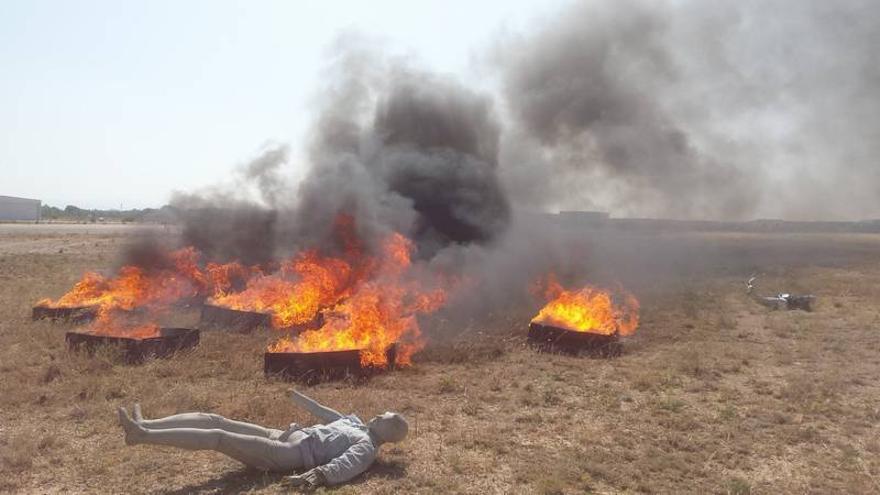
[(134, 433), (136, 413)]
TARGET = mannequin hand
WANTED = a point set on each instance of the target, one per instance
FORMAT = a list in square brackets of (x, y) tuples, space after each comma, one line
[(293, 428), (312, 478)]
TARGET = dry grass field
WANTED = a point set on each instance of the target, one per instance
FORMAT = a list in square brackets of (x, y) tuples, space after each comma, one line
[(714, 393)]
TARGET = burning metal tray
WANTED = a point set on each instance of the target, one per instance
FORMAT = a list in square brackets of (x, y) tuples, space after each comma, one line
[(169, 341), (312, 367), (570, 341), (219, 317), (74, 315)]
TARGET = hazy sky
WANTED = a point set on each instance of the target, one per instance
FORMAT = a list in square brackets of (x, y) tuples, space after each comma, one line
[(109, 104)]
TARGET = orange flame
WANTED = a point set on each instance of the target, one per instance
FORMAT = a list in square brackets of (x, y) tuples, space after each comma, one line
[(222, 277), (367, 302), (135, 288), (111, 324), (588, 309), (294, 296), (379, 312)]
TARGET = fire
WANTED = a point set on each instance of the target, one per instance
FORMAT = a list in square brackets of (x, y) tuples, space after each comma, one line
[(222, 278), (112, 325), (378, 313), (296, 293), (363, 301), (305, 284), (134, 288), (588, 309)]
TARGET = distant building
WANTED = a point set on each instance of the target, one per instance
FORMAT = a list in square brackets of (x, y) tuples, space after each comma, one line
[(583, 218), (19, 209), (588, 216)]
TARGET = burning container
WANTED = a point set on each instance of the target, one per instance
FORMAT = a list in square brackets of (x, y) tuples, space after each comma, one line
[(312, 367), (165, 343), (572, 341), (586, 319), (73, 314), (219, 317), (232, 319)]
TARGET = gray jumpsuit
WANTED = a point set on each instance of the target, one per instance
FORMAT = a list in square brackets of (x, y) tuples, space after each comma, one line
[(341, 449)]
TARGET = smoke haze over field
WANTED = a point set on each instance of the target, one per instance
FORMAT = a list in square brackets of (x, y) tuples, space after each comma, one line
[(697, 110), (678, 109)]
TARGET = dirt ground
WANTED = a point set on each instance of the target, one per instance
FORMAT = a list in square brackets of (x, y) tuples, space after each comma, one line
[(713, 394)]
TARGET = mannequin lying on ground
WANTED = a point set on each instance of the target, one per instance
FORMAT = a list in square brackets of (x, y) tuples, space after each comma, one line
[(331, 453)]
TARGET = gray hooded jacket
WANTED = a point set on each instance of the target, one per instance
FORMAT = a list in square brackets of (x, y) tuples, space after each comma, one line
[(341, 450)]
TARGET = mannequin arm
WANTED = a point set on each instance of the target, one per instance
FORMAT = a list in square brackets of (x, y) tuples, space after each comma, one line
[(326, 414), (351, 463)]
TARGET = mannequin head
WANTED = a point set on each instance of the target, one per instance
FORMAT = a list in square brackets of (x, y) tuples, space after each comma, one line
[(389, 427)]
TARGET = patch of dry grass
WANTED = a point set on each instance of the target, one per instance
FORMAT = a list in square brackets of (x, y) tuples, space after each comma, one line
[(714, 394)]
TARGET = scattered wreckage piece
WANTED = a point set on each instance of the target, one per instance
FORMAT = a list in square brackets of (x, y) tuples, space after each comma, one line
[(781, 301)]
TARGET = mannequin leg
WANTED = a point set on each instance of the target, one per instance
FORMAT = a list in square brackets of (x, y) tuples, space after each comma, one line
[(207, 421), (257, 452), (254, 451)]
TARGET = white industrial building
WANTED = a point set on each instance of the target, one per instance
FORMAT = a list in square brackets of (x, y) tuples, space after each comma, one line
[(19, 209)]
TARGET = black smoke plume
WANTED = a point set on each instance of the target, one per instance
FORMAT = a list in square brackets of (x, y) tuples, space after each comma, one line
[(227, 224), (393, 147), (413, 152)]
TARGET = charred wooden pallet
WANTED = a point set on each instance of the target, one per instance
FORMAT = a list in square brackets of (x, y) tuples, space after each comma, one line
[(552, 338), (135, 350), (312, 367), (74, 315)]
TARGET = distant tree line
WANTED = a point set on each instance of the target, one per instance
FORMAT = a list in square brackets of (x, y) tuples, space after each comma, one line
[(71, 213)]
